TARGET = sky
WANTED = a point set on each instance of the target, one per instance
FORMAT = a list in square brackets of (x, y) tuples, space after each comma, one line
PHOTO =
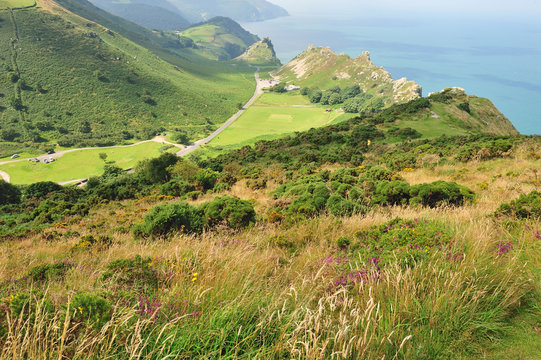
[(500, 8)]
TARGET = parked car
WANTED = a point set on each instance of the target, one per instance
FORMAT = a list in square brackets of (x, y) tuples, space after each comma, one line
[(49, 152), (14, 156)]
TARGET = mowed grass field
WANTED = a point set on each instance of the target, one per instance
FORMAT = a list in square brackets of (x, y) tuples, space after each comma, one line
[(80, 164), (272, 116), (4, 4)]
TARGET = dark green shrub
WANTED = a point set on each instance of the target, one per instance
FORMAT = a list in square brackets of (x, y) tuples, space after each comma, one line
[(525, 207), (234, 212), (392, 193), (343, 242), (26, 305), (465, 106), (41, 189), (304, 204), (176, 187), (49, 272), (91, 309), (207, 178), (154, 171), (165, 218), (9, 194), (400, 160), (338, 206), (320, 196), (440, 193)]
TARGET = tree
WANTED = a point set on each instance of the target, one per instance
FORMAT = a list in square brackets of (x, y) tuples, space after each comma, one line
[(315, 96), (9, 194), (103, 156), (41, 189), (85, 128)]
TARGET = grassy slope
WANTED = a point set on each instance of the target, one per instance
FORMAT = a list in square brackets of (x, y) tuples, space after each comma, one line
[(15, 3), (272, 116), (219, 38), (80, 164), (194, 94), (250, 291), (448, 119)]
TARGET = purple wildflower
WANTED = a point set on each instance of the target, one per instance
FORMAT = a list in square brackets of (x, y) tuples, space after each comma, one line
[(504, 247)]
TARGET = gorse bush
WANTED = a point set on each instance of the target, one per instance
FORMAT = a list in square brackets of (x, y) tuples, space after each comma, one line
[(9, 194), (233, 212), (91, 309), (41, 189), (46, 272), (527, 206), (163, 219), (183, 217), (440, 193)]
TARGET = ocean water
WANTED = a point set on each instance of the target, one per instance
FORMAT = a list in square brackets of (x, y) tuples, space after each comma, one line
[(499, 59)]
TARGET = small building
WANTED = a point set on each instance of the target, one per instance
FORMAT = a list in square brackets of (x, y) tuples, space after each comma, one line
[(292, 88)]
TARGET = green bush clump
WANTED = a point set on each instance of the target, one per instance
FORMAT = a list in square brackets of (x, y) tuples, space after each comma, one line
[(26, 305), (392, 193), (155, 171), (48, 272), (163, 219), (338, 206), (234, 212), (91, 309), (9, 194), (41, 189), (440, 193), (135, 273), (525, 207), (207, 179), (176, 187), (409, 240)]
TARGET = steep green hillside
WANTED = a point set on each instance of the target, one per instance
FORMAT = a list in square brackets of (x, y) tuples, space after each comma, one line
[(261, 53), (220, 38), (66, 79), (153, 14), (240, 10), (323, 69)]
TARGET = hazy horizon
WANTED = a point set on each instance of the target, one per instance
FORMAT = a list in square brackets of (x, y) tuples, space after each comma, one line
[(491, 8)]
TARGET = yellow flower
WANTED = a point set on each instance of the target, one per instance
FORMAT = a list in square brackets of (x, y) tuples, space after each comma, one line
[(80, 310), (195, 274), (194, 279)]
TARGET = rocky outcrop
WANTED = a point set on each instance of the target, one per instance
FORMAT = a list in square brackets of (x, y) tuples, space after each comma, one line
[(320, 66), (260, 53)]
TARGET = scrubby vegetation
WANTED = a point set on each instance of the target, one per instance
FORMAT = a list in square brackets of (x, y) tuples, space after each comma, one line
[(264, 252)]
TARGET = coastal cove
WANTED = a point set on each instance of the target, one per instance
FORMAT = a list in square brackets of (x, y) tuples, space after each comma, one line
[(494, 58)]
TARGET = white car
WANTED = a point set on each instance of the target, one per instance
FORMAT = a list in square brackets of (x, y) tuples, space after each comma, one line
[(14, 156)]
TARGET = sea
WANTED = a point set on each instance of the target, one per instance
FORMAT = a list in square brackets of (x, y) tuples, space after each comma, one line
[(497, 58)]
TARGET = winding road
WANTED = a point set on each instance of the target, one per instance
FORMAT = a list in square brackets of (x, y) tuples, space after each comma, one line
[(185, 150), (261, 84)]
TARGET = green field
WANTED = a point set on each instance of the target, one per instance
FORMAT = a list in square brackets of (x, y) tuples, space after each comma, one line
[(15, 3), (272, 116), (80, 164)]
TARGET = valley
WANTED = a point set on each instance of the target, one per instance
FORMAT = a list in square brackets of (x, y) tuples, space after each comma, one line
[(170, 189)]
